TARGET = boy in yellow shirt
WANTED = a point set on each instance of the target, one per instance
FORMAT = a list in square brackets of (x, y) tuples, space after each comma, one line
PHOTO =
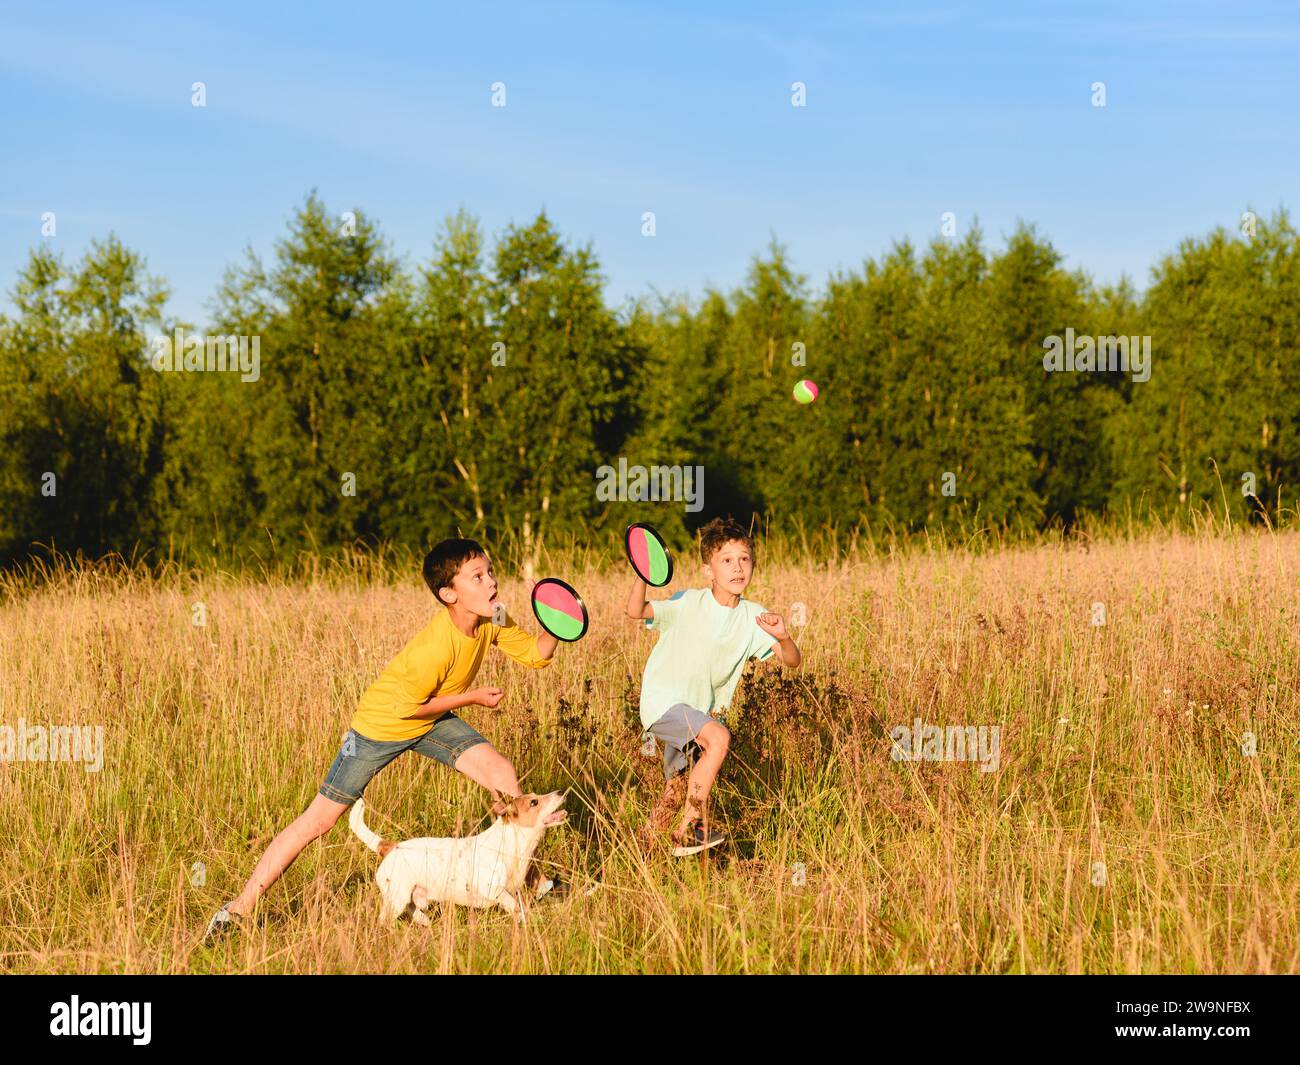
[(412, 707)]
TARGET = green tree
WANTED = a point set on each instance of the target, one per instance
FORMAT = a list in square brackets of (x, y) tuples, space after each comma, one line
[(1223, 401), (749, 468), (80, 409), (1034, 298), (302, 454), (532, 384)]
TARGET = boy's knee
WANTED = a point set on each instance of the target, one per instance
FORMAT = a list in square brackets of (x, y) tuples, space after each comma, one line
[(715, 736), (487, 766), (502, 771)]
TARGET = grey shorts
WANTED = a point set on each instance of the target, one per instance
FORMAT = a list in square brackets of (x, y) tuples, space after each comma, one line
[(360, 758), (676, 730)]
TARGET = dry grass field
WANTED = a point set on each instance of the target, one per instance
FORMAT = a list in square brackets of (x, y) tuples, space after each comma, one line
[(1125, 828)]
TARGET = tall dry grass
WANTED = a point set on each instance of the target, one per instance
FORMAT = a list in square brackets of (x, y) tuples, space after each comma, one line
[(1121, 747)]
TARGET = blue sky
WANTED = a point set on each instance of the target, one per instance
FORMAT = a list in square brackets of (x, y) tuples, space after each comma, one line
[(615, 109)]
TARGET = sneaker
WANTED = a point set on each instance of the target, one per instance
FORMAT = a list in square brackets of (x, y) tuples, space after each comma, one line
[(223, 922), (696, 840), (553, 889)]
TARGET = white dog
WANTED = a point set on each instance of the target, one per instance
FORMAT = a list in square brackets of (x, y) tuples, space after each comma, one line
[(483, 870)]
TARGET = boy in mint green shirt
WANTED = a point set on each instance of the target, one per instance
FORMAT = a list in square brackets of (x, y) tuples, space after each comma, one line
[(706, 637)]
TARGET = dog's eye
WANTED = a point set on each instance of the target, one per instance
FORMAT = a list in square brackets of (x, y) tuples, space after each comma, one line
[(533, 803)]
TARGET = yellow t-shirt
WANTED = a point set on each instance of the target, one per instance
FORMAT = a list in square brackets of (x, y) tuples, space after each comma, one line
[(438, 660)]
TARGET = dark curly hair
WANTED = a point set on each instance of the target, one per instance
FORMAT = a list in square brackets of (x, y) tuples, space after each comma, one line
[(720, 531)]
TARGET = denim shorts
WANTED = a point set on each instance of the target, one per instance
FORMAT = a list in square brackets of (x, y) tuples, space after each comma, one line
[(360, 758), (677, 729)]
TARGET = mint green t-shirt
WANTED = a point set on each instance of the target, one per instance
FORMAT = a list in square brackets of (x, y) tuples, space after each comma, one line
[(702, 650)]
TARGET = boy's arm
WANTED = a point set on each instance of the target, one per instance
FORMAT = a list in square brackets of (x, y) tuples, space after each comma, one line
[(440, 704), (789, 653), (657, 615), (534, 652), (786, 650), (546, 645), (637, 607)]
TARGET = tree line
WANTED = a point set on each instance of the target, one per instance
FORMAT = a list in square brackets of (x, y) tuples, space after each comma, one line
[(483, 391)]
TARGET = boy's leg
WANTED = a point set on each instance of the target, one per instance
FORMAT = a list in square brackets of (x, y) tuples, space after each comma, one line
[(457, 744), (685, 731), (715, 741), (669, 803), (485, 765), (311, 824), (358, 760)]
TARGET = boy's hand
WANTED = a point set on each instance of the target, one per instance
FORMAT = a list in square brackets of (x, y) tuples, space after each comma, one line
[(546, 643), (773, 625), (488, 697)]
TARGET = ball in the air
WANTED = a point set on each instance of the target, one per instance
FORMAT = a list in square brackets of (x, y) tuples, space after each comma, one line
[(805, 392)]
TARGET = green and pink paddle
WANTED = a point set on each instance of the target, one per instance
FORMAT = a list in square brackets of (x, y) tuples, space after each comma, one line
[(559, 609), (648, 554)]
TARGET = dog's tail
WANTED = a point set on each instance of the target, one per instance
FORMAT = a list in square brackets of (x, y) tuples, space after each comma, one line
[(357, 822)]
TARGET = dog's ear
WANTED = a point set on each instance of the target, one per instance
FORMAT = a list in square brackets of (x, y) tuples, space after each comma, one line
[(503, 807)]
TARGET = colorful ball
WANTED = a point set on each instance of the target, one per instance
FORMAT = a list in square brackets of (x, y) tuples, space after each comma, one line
[(805, 392)]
